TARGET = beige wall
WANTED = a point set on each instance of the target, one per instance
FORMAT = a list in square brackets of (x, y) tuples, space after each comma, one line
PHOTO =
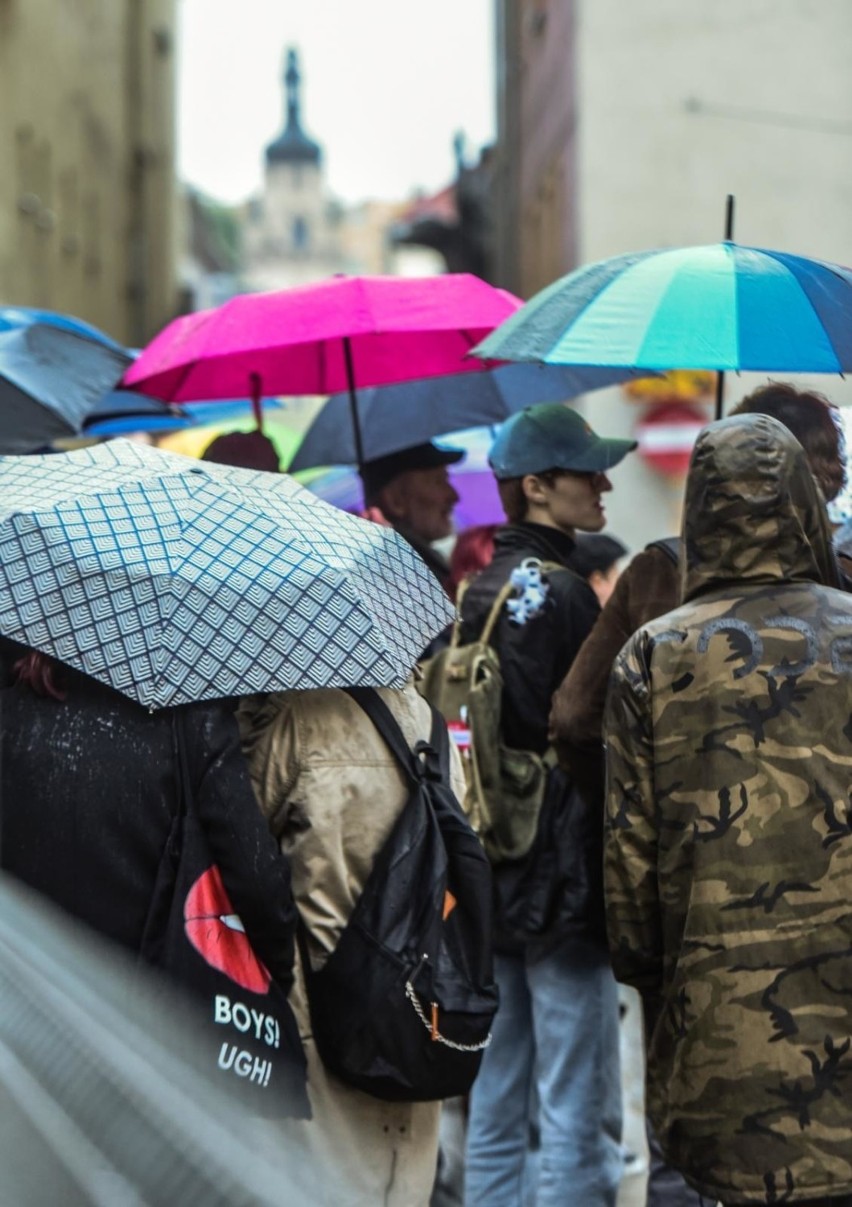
[(772, 125), (535, 163), (87, 187), (658, 109)]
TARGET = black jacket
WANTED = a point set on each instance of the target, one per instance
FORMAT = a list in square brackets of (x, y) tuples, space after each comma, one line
[(89, 793), (555, 892), (534, 657)]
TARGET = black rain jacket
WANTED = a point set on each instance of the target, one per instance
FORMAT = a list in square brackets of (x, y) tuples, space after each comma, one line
[(88, 795), (555, 892)]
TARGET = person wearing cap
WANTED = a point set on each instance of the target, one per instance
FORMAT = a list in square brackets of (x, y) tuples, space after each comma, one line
[(555, 1037), (413, 491)]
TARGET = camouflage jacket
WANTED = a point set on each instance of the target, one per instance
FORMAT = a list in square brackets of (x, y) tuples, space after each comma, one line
[(728, 843)]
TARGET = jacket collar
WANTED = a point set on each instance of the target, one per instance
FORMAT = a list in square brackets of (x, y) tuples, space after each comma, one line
[(550, 544)]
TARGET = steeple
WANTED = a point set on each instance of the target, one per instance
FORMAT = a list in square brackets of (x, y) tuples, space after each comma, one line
[(293, 145)]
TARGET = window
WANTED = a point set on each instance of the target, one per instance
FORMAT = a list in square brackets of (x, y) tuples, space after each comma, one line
[(300, 233)]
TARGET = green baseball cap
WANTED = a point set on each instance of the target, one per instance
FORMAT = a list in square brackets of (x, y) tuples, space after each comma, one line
[(552, 436)]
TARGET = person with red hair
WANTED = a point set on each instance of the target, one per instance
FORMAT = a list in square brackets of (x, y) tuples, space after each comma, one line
[(472, 552)]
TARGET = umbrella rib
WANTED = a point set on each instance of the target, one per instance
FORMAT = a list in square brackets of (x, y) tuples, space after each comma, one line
[(813, 308), (184, 375)]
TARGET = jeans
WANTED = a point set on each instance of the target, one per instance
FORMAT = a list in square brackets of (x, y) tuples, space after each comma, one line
[(666, 1187), (555, 1037), (448, 1190)]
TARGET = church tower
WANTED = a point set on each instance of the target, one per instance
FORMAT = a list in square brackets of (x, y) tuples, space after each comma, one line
[(291, 232)]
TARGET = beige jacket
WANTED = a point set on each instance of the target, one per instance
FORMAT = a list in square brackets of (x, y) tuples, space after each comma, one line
[(332, 792)]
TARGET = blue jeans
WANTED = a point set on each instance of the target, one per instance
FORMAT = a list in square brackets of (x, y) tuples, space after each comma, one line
[(555, 1040)]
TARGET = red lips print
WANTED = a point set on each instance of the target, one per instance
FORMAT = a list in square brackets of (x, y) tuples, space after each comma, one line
[(217, 934)]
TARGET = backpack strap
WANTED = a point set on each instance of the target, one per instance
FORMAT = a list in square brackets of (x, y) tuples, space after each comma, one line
[(184, 782), (461, 591), (506, 591), (496, 608), (670, 545), (435, 766)]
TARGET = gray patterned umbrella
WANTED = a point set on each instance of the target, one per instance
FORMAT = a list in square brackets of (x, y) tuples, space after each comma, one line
[(172, 580)]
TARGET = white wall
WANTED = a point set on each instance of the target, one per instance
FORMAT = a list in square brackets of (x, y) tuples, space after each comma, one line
[(773, 126)]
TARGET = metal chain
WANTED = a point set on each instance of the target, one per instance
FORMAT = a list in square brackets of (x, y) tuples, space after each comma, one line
[(435, 1033)]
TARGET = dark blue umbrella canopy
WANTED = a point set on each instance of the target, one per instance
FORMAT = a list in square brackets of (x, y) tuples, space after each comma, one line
[(121, 411), (398, 416), (53, 371)]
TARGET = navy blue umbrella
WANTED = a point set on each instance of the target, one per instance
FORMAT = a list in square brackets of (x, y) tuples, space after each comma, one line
[(122, 411), (53, 371), (398, 416)]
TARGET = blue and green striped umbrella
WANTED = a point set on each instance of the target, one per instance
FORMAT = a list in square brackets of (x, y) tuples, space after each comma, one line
[(721, 307)]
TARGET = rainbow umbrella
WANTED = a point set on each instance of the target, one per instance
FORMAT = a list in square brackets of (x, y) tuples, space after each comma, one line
[(723, 306)]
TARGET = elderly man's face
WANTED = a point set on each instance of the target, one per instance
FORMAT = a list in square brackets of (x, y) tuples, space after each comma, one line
[(421, 500)]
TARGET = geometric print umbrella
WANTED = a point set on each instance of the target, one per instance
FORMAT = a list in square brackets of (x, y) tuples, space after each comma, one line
[(173, 581)]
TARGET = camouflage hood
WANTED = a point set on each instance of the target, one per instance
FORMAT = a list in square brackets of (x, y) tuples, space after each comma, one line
[(728, 841), (753, 511)]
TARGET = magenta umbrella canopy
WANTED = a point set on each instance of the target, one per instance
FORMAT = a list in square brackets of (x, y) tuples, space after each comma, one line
[(337, 334)]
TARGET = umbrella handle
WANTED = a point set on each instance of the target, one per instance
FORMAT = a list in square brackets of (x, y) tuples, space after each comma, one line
[(729, 235), (256, 385), (720, 395), (353, 401)]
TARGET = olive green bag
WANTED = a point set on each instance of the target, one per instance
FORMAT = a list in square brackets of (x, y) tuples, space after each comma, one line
[(504, 786)]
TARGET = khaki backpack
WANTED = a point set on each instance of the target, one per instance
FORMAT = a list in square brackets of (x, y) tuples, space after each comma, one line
[(504, 786)]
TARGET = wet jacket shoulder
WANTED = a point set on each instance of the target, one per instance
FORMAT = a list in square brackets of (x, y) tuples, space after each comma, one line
[(728, 845), (649, 586), (90, 795), (332, 792), (534, 656)]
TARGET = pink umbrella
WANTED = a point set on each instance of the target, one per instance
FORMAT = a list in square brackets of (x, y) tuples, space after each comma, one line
[(334, 335)]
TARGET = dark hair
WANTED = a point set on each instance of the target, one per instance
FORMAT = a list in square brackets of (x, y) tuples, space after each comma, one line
[(472, 552), (243, 450), (595, 551), (512, 496), (40, 673), (813, 420), (513, 499)]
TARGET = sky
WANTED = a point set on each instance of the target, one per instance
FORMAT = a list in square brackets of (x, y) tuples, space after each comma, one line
[(385, 86)]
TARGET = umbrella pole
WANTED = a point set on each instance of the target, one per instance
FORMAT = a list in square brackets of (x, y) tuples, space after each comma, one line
[(256, 394), (353, 401), (720, 394), (729, 234)]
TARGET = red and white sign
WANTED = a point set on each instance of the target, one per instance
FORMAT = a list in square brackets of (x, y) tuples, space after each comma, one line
[(667, 434)]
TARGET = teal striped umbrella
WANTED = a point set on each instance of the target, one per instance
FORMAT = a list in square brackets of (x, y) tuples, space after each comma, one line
[(723, 306)]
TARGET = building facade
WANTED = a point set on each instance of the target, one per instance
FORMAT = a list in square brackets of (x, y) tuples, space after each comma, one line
[(87, 144), (624, 126)]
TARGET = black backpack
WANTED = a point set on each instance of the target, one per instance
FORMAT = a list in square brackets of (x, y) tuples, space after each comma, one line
[(402, 1009)]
